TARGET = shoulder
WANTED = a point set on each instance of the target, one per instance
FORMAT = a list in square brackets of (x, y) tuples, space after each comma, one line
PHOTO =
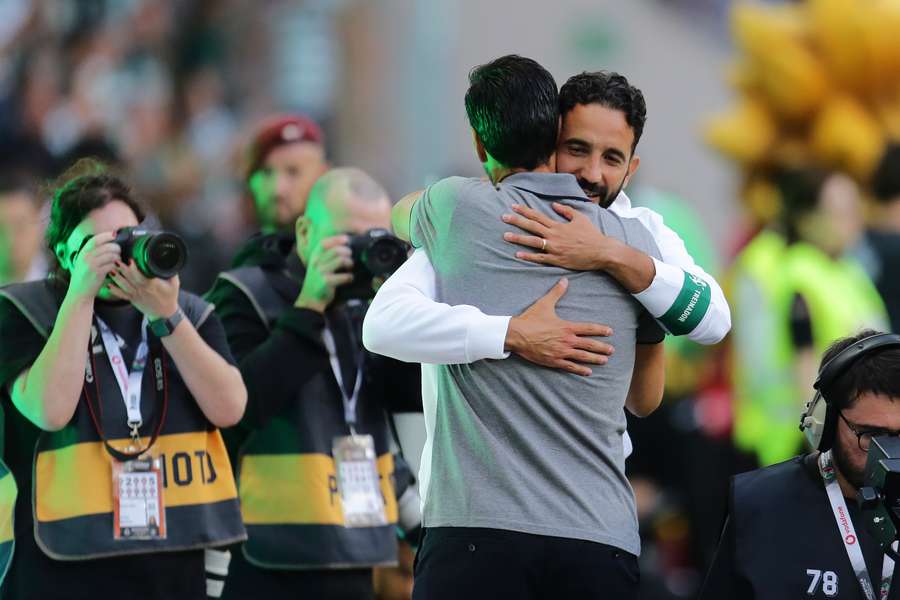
[(35, 302), (456, 189), (195, 308), (771, 488)]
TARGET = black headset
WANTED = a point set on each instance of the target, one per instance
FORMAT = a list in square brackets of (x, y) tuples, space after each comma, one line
[(819, 419)]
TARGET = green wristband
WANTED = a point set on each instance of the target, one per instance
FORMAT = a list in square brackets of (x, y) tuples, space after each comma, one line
[(689, 307)]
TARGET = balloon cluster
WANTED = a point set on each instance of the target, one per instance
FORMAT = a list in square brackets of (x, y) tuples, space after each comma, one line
[(818, 84)]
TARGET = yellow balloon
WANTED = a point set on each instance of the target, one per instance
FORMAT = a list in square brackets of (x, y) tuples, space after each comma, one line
[(745, 133), (845, 135)]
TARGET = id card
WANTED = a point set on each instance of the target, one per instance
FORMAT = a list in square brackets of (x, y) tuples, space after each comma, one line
[(357, 480), (138, 509)]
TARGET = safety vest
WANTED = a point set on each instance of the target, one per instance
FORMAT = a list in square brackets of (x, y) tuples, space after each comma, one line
[(286, 474), (8, 493), (767, 275), (787, 544), (72, 499)]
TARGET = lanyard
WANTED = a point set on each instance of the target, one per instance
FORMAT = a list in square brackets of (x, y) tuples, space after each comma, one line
[(848, 535), (129, 381), (351, 399)]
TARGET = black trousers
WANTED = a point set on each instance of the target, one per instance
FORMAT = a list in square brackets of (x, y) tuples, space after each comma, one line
[(247, 581), (470, 564)]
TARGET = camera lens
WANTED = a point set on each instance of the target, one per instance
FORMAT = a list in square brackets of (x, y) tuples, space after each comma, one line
[(166, 255), (384, 257), (160, 254)]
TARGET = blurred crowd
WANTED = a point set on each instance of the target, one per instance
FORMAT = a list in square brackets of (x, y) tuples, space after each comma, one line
[(164, 90), (167, 91)]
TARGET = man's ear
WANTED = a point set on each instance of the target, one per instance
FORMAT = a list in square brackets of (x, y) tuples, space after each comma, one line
[(61, 255), (479, 148), (301, 230), (632, 168)]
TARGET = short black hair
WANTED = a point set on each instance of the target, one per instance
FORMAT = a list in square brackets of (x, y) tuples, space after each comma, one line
[(877, 372), (608, 89), (513, 105), (886, 178)]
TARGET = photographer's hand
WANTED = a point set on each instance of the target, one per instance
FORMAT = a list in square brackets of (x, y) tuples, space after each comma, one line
[(540, 336), (91, 265), (322, 276), (156, 298)]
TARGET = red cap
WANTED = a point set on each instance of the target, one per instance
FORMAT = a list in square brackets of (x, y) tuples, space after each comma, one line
[(277, 131)]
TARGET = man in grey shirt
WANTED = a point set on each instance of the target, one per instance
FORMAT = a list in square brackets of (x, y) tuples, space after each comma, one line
[(527, 495)]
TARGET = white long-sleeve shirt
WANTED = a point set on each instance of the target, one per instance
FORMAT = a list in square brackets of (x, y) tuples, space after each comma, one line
[(407, 323)]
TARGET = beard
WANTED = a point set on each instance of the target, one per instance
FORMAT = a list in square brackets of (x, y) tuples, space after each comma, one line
[(599, 192), (844, 463)]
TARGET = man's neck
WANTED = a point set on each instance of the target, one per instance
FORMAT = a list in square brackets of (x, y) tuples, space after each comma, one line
[(847, 488), (500, 173)]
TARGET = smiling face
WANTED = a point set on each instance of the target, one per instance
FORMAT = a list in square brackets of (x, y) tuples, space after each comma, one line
[(595, 145), (110, 217)]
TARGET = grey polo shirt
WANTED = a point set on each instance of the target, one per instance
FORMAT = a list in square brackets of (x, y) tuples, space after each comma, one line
[(512, 445)]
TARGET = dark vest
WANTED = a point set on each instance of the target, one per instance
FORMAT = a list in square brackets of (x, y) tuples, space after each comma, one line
[(288, 490), (72, 498), (784, 527)]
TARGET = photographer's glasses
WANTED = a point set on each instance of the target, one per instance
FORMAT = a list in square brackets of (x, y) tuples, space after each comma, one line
[(864, 435)]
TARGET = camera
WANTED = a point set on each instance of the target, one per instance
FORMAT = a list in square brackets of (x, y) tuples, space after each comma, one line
[(879, 499), (376, 253), (159, 254)]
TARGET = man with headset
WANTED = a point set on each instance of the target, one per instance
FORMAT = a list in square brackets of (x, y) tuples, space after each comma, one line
[(794, 529)]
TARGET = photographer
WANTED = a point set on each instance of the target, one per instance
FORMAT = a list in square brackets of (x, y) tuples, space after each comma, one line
[(794, 529), (114, 383), (295, 325)]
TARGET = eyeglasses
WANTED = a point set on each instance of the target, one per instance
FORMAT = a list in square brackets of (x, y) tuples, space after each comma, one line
[(864, 436)]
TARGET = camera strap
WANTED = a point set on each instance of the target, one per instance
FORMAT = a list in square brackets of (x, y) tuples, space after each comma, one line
[(848, 535), (352, 398)]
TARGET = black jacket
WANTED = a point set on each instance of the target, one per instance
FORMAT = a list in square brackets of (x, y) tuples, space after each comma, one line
[(781, 540)]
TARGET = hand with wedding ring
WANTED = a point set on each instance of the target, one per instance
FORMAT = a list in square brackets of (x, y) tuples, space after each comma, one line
[(574, 243)]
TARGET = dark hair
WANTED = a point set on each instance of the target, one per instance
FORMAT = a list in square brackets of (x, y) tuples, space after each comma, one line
[(85, 186), (608, 89), (800, 189), (886, 178), (512, 104), (877, 372)]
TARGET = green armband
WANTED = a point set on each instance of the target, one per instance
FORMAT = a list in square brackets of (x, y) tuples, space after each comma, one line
[(689, 307)]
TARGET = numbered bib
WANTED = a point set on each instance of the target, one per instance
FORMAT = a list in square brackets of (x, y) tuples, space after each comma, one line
[(138, 509), (358, 482)]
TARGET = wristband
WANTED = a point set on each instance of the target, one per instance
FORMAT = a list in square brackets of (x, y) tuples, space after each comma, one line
[(163, 327)]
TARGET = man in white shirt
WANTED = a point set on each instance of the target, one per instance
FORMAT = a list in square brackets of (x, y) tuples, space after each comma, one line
[(602, 121)]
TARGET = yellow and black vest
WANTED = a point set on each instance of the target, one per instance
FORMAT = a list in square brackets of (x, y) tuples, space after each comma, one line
[(8, 494), (72, 498), (286, 478)]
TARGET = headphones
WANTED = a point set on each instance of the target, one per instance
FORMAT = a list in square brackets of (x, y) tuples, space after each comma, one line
[(819, 419)]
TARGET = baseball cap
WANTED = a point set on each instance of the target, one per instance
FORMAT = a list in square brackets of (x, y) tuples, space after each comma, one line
[(277, 131)]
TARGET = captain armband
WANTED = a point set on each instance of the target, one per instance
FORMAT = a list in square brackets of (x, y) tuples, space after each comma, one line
[(690, 306)]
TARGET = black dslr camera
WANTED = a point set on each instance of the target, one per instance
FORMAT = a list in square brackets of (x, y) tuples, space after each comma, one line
[(156, 253), (879, 499), (376, 253)]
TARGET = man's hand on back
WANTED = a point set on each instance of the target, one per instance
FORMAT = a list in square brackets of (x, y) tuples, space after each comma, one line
[(578, 245), (540, 336)]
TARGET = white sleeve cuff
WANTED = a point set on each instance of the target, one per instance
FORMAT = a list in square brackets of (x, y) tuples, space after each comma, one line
[(663, 290), (486, 337)]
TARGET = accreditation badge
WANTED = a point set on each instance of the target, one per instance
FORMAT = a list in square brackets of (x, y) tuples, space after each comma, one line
[(358, 481), (138, 509)]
